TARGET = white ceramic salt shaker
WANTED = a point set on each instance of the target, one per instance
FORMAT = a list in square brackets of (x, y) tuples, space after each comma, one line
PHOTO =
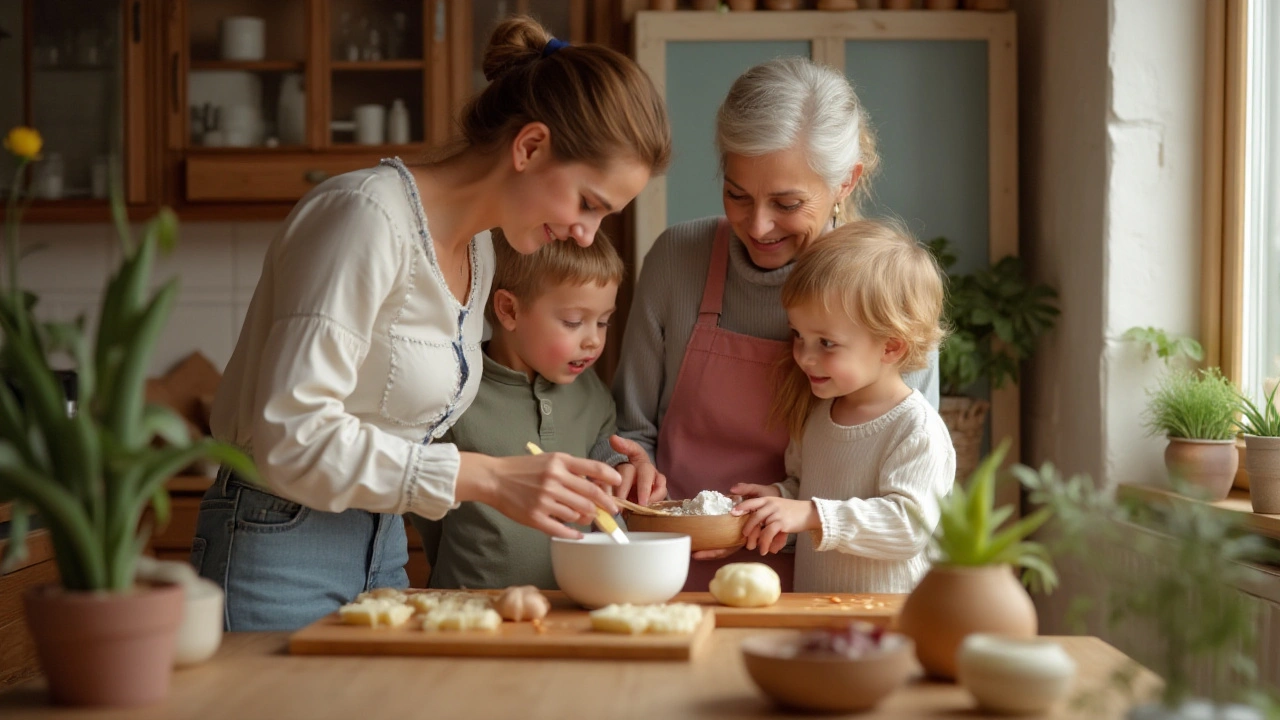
[(1014, 675)]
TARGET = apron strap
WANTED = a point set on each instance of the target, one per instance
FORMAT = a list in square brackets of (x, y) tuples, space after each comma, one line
[(717, 270)]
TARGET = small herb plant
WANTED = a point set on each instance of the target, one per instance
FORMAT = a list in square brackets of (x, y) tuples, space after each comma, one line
[(1264, 421), (969, 534), (1173, 350), (1199, 405)]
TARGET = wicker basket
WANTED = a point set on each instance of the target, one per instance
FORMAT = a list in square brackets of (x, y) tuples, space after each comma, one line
[(966, 418)]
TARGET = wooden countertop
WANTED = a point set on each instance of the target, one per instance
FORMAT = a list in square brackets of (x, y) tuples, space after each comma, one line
[(253, 677)]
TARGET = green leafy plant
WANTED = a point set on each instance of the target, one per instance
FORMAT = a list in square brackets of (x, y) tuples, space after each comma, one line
[(1200, 405), (996, 317), (1171, 349), (1186, 595), (1264, 421), (89, 475), (969, 532)]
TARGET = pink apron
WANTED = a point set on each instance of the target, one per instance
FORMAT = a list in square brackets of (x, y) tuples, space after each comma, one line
[(713, 435)]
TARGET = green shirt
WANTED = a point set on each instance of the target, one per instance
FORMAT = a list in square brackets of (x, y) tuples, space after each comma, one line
[(475, 546)]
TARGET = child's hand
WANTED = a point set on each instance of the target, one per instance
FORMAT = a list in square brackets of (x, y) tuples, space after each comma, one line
[(750, 490), (772, 518), (638, 473)]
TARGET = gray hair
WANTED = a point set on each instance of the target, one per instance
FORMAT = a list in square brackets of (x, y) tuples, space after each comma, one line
[(790, 100)]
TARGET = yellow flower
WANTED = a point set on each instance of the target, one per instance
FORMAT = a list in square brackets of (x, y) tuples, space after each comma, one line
[(24, 142)]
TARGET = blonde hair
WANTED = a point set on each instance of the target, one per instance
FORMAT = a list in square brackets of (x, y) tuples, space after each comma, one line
[(794, 102), (876, 274), (563, 262)]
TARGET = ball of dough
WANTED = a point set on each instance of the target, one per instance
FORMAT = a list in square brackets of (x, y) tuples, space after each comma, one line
[(522, 602), (746, 585)]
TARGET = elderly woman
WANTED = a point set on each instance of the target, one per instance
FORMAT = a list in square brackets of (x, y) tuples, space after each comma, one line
[(707, 326)]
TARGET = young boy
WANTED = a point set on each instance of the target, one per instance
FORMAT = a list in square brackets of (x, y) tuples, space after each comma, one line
[(549, 312)]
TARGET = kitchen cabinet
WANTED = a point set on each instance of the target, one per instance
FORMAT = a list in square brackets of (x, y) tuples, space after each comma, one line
[(78, 71)]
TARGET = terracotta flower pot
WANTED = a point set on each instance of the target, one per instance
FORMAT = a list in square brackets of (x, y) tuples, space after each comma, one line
[(105, 649), (1209, 464), (951, 602), (1262, 460)]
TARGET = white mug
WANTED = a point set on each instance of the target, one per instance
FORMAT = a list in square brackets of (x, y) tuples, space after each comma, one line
[(371, 124), (244, 38)]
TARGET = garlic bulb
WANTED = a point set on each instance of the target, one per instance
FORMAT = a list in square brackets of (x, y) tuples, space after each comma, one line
[(522, 602)]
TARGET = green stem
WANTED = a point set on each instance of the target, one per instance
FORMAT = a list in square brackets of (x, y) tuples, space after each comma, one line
[(12, 215)]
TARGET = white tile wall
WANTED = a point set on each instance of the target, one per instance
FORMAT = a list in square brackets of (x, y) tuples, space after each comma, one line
[(217, 264)]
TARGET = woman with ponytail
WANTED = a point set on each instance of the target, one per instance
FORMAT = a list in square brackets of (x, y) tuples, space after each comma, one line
[(361, 346)]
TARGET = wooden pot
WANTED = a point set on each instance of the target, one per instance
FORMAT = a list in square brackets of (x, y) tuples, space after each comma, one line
[(1209, 464), (952, 602), (105, 649), (966, 418), (1262, 460)]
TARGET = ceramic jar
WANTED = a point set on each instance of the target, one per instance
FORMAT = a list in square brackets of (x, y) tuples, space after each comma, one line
[(1014, 675)]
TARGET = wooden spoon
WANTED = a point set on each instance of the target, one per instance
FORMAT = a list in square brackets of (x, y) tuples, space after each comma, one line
[(638, 508)]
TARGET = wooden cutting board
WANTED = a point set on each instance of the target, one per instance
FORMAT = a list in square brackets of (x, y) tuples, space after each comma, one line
[(806, 610), (567, 634)]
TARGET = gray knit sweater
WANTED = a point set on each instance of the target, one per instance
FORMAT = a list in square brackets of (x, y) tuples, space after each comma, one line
[(665, 309)]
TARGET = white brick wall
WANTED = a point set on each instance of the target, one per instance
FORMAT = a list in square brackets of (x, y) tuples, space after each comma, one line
[(218, 265)]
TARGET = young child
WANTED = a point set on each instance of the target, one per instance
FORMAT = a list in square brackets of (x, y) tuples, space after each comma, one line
[(549, 312), (869, 456)]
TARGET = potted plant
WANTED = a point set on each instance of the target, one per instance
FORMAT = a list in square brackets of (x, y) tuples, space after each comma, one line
[(1261, 429), (1173, 350), (996, 317), (972, 586), (90, 474), (1196, 410), (1169, 573)]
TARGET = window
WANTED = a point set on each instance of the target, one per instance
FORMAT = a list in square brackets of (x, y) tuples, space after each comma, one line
[(1259, 339)]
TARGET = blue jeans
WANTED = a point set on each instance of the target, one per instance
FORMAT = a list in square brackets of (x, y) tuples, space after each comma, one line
[(284, 565)]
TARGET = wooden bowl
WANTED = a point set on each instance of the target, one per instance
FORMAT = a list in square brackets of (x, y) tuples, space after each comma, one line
[(706, 532), (827, 682)]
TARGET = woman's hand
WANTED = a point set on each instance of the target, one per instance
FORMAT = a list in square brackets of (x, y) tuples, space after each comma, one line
[(772, 518), (638, 472), (751, 490), (541, 491)]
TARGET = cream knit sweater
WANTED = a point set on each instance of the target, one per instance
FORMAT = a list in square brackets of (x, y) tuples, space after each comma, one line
[(870, 482)]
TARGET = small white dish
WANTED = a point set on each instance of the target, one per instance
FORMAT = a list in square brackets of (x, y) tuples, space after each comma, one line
[(1014, 675)]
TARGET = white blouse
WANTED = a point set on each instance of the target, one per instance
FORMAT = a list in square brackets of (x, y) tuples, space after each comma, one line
[(354, 355)]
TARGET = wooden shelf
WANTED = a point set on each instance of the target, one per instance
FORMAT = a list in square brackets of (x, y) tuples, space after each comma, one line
[(1237, 502), (249, 65), (375, 65)]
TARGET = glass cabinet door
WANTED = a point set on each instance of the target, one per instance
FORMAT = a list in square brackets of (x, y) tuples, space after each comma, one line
[(378, 72), (66, 68), (247, 73)]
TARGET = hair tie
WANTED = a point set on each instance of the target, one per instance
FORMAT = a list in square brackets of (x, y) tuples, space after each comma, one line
[(553, 45)]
